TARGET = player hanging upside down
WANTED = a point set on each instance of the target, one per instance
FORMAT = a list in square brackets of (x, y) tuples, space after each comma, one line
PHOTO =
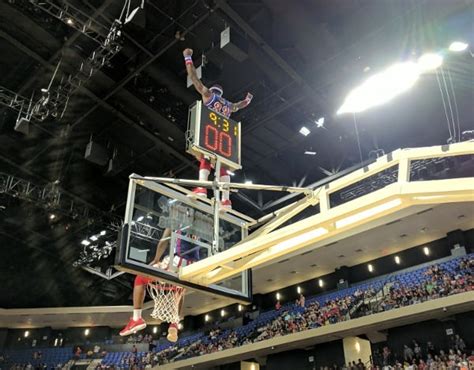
[(183, 248), (213, 99)]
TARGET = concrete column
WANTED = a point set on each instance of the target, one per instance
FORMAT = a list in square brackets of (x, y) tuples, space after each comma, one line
[(356, 348)]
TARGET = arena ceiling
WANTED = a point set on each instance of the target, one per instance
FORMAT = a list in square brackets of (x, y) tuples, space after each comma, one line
[(302, 60)]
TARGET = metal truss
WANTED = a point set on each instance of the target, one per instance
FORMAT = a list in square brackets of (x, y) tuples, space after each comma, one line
[(74, 18), (12, 100), (51, 197)]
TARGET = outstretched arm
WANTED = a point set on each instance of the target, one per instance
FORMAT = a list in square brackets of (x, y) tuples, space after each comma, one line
[(243, 103), (198, 85), (162, 246)]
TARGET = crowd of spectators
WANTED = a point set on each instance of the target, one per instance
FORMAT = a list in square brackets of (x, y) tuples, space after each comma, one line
[(304, 316), (424, 357), (139, 338)]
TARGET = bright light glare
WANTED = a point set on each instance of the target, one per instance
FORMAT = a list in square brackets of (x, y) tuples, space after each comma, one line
[(320, 283), (70, 21), (426, 251), (458, 46), (94, 238), (103, 232), (248, 182), (309, 152), (278, 296), (222, 313), (180, 326), (27, 333), (239, 307), (298, 289), (304, 131), (381, 87), (155, 330), (429, 62), (370, 267), (139, 219), (319, 122), (85, 242), (301, 239), (397, 260), (207, 318), (86, 332)]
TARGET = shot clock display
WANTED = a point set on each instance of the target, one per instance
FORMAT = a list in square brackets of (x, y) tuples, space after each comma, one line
[(212, 133)]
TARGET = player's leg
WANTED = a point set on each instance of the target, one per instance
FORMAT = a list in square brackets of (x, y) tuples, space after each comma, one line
[(173, 327), (136, 322), (225, 177), (204, 171)]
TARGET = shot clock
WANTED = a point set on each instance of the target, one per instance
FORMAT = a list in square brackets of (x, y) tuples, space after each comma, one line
[(212, 134)]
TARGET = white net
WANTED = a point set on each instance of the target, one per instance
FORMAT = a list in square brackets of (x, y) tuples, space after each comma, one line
[(166, 297)]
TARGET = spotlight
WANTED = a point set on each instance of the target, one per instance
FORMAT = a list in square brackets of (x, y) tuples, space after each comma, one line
[(426, 251), (430, 61), (27, 333), (103, 232), (52, 216), (278, 296), (298, 289), (222, 313), (458, 46), (320, 283), (86, 332), (94, 238), (70, 21), (155, 330), (304, 131), (370, 267), (320, 122), (85, 242), (239, 307), (397, 260), (207, 318)]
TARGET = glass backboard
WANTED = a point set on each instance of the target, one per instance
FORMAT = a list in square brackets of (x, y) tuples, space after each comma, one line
[(163, 217)]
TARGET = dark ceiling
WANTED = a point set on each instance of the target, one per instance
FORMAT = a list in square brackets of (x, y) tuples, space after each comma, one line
[(302, 60)]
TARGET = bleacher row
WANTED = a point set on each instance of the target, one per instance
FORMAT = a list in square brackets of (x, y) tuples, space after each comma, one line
[(51, 357), (411, 277)]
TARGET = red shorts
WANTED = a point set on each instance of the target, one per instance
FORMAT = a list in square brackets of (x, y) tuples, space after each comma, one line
[(142, 280)]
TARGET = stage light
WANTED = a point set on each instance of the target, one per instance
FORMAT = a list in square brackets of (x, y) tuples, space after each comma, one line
[(103, 232), (27, 333), (248, 182), (397, 260), (155, 330), (309, 152), (85, 242), (429, 62), (52, 216), (304, 131), (458, 46), (320, 122), (239, 307), (70, 21), (370, 267), (86, 332), (139, 219), (368, 213), (207, 318), (426, 251), (298, 289), (222, 313), (381, 88), (94, 238), (320, 283), (278, 296)]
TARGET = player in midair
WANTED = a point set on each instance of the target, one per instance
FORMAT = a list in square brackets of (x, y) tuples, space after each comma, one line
[(213, 99), (183, 249)]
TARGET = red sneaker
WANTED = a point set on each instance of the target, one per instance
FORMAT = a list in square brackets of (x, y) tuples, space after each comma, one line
[(199, 192), (172, 333), (133, 326), (226, 204)]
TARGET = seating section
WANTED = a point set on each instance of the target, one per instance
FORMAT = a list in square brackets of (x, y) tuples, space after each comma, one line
[(49, 356), (346, 302)]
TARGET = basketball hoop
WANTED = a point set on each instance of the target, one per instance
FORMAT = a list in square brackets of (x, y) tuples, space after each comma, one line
[(167, 298)]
